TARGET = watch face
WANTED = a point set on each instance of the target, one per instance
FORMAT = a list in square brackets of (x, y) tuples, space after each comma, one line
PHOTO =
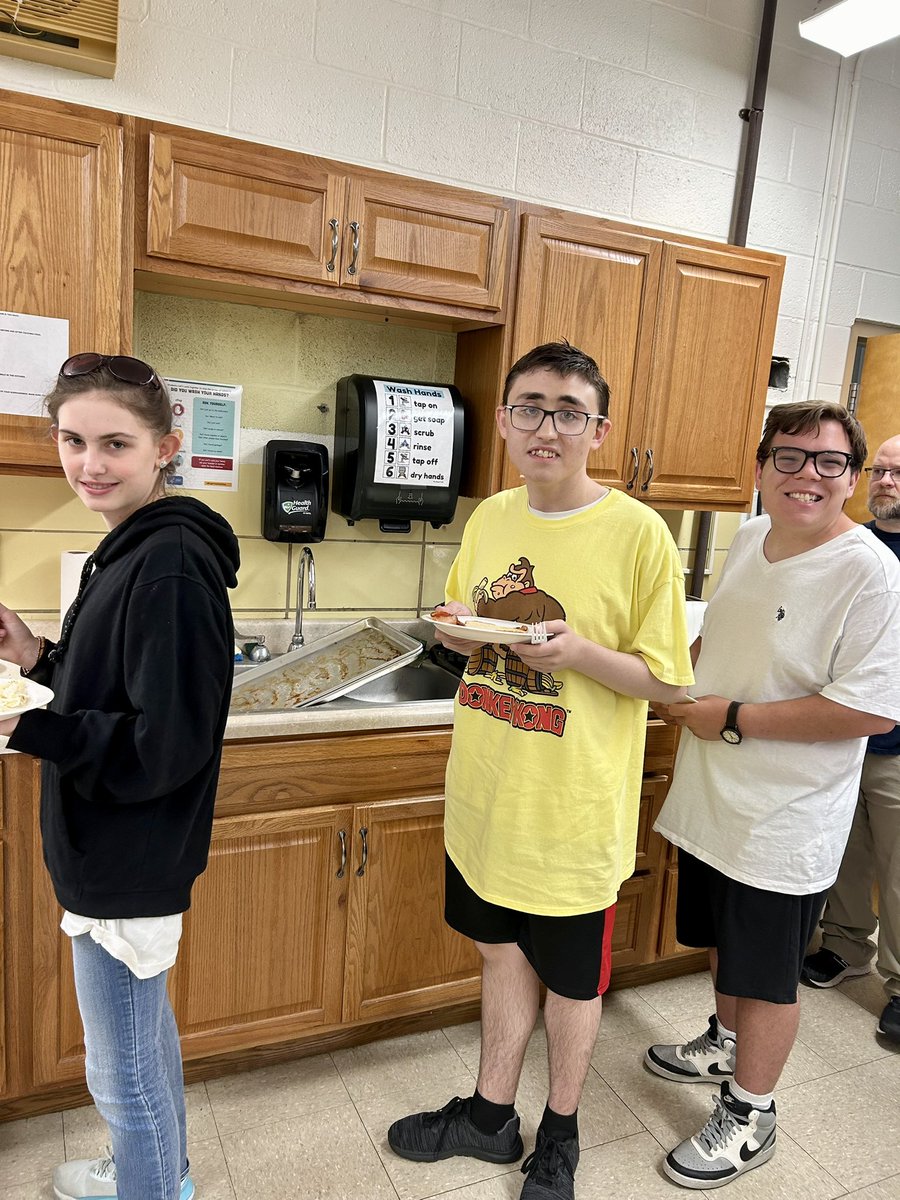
[(731, 736)]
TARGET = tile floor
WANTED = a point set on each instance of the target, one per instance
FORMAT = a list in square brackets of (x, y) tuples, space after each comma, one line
[(315, 1129)]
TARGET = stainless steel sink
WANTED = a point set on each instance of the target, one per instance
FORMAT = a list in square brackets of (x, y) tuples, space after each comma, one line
[(407, 685)]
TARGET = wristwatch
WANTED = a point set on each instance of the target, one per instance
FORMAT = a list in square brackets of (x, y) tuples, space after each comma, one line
[(729, 732)]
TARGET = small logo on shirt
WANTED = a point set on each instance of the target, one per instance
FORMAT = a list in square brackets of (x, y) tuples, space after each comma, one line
[(779, 616)]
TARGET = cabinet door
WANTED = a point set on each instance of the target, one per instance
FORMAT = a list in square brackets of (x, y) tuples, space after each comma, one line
[(632, 941), (401, 957), (255, 209), (651, 848), (62, 246), (668, 942), (712, 351), (260, 959), (426, 242), (597, 288)]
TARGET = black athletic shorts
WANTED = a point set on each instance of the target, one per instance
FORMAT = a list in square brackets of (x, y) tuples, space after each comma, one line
[(761, 937), (570, 955)]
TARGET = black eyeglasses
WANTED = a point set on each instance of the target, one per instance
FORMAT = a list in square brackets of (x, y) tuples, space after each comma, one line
[(880, 472), (829, 464), (121, 366), (570, 421)]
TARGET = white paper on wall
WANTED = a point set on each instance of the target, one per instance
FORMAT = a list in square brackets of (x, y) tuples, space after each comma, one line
[(207, 417), (32, 349), (415, 434)]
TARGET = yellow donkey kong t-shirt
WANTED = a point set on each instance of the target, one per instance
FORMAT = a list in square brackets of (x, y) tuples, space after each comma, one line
[(543, 782)]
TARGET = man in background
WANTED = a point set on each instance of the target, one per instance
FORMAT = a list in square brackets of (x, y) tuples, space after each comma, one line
[(873, 851)]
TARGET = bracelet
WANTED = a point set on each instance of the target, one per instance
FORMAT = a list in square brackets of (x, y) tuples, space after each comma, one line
[(42, 643)]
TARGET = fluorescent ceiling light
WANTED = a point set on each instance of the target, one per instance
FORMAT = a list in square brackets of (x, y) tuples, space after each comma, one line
[(849, 26)]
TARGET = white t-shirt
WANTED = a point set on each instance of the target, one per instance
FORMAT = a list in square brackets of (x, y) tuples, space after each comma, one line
[(776, 814), (146, 945)]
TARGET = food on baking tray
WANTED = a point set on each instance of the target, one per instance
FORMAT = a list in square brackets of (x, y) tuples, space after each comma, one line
[(317, 673), (442, 614), (13, 694)]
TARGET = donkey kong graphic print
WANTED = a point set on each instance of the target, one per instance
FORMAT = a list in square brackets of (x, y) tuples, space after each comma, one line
[(514, 597)]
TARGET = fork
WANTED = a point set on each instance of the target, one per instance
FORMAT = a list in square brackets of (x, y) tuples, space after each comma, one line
[(538, 633)]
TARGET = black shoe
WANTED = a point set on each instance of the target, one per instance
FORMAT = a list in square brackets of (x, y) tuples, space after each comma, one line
[(889, 1025), (550, 1168), (825, 969), (428, 1136)]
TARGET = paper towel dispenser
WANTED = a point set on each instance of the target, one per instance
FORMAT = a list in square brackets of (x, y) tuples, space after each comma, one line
[(398, 447), (295, 491)]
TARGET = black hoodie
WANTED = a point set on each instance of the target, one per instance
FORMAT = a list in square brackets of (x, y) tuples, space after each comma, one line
[(133, 739)]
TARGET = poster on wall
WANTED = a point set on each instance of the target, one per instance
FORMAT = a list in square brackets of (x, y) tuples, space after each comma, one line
[(32, 349), (208, 418), (414, 442)]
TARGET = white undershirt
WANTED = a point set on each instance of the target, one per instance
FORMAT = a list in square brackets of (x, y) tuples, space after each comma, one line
[(146, 945), (571, 512)]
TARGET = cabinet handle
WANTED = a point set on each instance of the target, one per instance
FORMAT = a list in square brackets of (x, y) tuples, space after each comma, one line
[(647, 481), (636, 462), (354, 229), (364, 834), (335, 226), (342, 869)]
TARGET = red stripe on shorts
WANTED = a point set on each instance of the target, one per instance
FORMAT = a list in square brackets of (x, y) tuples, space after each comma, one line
[(609, 920)]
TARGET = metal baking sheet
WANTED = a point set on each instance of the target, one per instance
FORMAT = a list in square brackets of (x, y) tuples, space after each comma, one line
[(407, 650)]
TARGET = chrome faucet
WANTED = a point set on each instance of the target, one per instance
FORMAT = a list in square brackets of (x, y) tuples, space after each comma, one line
[(308, 575)]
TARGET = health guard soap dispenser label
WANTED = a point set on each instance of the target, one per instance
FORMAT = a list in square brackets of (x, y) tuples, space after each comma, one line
[(414, 441)]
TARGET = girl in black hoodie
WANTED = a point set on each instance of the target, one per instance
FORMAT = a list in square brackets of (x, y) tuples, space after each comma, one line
[(131, 746)]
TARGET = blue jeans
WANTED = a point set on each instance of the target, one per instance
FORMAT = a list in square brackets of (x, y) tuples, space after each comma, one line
[(133, 1071)]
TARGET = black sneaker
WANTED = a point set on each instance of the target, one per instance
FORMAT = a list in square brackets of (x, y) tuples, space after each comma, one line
[(428, 1136), (889, 1025), (825, 969), (550, 1168)]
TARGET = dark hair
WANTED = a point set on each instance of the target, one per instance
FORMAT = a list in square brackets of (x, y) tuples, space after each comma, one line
[(151, 405), (807, 418), (565, 360)]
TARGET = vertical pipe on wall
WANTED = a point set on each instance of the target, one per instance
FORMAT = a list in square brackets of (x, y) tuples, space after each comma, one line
[(747, 178)]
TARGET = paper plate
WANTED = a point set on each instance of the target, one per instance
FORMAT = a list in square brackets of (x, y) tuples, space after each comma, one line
[(480, 629), (36, 696)]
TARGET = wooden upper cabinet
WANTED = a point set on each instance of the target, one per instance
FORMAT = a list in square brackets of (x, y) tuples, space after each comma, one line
[(64, 248), (256, 209), (711, 359), (596, 287), (296, 225), (425, 241)]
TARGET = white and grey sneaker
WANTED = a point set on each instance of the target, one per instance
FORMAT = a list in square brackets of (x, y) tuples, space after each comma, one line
[(736, 1138), (707, 1057), (95, 1179)]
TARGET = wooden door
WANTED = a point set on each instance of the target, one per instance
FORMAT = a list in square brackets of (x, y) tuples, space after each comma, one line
[(632, 941), (711, 357), (64, 251), (597, 288), (401, 957), (223, 203), (878, 408), (651, 847), (262, 952), (426, 242)]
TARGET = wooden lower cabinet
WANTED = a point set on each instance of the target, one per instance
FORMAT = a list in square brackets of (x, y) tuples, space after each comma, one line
[(319, 920)]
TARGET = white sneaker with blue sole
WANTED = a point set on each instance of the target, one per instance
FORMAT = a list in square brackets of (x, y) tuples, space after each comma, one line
[(95, 1179)]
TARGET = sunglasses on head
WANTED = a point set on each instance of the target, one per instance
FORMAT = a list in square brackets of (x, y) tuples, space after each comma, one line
[(120, 366)]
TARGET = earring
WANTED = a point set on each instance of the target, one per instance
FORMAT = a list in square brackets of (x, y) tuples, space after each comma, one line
[(162, 464)]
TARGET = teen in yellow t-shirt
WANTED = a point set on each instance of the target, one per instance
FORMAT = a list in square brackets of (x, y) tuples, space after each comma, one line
[(543, 784)]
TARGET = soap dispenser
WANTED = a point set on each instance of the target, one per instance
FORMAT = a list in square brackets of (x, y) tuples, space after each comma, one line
[(295, 491)]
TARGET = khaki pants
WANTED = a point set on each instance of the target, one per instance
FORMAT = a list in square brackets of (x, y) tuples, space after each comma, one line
[(873, 853)]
